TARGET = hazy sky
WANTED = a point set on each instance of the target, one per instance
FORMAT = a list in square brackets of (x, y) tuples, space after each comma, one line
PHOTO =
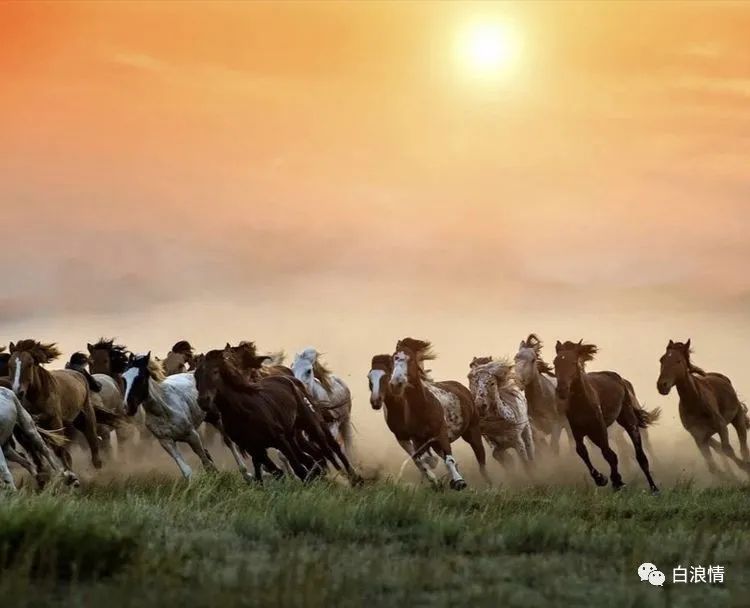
[(322, 154)]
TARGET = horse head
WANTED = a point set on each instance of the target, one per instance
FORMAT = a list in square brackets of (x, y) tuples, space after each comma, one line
[(378, 379), (675, 364), (570, 362)]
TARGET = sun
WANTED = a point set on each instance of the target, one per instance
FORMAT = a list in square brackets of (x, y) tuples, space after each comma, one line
[(487, 49)]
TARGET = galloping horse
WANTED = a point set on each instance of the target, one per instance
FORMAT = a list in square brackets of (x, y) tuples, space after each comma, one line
[(330, 396), (108, 362), (537, 378), (60, 398), (271, 413), (503, 412), (171, 406), (434, 414), (595, 401), (708, 403), (180, 359), (16, 422)]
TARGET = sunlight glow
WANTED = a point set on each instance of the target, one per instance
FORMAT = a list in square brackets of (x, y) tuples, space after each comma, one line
[(489, 49)]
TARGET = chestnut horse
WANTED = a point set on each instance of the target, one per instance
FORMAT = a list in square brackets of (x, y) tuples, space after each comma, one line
[(595, 401), (434, 414), (708, 403), (60, 398)]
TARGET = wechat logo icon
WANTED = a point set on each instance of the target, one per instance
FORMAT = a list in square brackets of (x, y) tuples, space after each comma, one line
[(649, 572)]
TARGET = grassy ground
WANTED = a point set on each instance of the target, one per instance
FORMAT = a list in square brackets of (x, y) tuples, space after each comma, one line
[(154, 541)]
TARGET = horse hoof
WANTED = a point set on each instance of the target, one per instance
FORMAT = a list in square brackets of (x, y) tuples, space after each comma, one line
[(600, 480), (458, 484), (617, 487), (655, 491), (97, 463)]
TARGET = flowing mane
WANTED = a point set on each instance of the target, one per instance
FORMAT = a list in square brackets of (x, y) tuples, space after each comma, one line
[(534, 343), (41, 353), (584, 352), (384, 362), (156, 370), (183, 347), (501, 368), (118, 354), (422, 350), (231, 374), (320, 371)]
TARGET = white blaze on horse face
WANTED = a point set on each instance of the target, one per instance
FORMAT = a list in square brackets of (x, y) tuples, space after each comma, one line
[(17, 375), (400, 374), (129, 378), (375, 376)]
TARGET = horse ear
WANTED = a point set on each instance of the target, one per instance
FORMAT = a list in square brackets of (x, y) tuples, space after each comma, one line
[(671, 344), (228, 346), (687, 345), (521, 345), (558, 346), (148, 356), (90, 348), (580, 342), (12, 347)]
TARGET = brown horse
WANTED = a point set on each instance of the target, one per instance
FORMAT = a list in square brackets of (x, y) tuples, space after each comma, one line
[(595, 401), (258, 366), (60, 398), (708, 403), (272, 413), (180, 359), (433, 414)]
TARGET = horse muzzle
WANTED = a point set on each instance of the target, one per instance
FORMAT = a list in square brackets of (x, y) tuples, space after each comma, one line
[(663, 387)]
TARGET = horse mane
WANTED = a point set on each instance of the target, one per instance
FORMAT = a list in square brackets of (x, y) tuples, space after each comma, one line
[(422, 350), (275, 358), (183, 347), (534, 343), (502, 369), (585, 352), (478, 361), (41, 352), (230, 373), (686, 350), (384, 362), (156, 370), (78, 359), (320, 370), (118, 354)]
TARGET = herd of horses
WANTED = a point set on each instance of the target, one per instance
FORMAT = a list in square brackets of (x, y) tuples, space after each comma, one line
[(296, 420)]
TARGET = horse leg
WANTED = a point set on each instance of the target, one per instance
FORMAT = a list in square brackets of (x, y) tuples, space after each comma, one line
[(89, 431), (554, 439), (443, 447), (527, 435), (286, 449), (194, 441), (601, 440), (473, 436), (740, 425), (219, 425), (170, 447), (418, 461), (346, 431), (11, 455), (640, 455), (5, 474), (270, 466), (258, 458), (583, 453)]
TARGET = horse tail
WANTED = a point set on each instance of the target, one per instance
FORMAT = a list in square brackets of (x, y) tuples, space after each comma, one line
[(56, 438), (645, 417)]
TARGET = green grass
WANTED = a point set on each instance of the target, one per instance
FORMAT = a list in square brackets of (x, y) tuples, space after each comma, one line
[(154, 541)]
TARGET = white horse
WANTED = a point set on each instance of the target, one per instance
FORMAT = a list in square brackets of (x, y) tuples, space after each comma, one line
[(329, 394), (502, 408), (14, 416), (171, 406)]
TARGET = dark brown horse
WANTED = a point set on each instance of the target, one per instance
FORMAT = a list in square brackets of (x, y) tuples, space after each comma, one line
[(431, 414), (258, 366), (60, 398), (708, 403), (272, 413), (595, 401)]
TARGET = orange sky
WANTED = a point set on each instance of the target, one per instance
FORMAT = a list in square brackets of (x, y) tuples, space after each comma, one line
[(155, 152)]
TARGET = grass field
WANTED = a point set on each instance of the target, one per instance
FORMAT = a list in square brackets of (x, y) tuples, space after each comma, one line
[(154, 541)]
